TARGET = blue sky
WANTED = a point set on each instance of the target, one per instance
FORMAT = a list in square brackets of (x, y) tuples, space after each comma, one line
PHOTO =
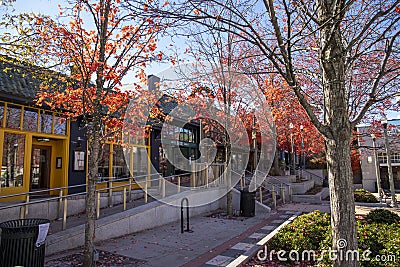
[(50, 7)]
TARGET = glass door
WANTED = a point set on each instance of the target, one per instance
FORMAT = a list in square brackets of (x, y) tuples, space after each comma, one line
[(40, 167)]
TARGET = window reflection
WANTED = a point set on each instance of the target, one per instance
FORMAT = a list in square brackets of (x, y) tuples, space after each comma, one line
[(46, 121), (60, 125), (139, 161), (12, 169), (30, 120), (103, 169), (13, 117), (120, 163)]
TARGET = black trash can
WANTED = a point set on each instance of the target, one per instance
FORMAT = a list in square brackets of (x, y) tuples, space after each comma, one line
[(247, 203), (19, 243)]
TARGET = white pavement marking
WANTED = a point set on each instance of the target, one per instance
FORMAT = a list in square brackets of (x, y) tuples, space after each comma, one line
[(220, 260), (242, 258), (242, 246), (237, 261)]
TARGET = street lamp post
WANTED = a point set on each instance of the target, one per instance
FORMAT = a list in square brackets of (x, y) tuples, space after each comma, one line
[(292, 144), (389, 163), (303, 167), (377, 169)]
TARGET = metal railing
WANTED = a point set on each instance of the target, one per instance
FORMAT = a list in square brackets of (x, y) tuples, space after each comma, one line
[(62, 197), (126, 187), (274, 185), (316, 178)]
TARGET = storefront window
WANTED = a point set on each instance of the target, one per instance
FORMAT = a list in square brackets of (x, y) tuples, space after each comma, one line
[(139, 161), (104, 168), (186, 135), (12, 169), (13, 117), (30, 120), (120, 163), (46, 121), (60, 125)]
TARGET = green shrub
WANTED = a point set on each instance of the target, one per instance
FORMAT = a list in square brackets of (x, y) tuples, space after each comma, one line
[(381, 240), (305, 233), (362, 195), (382, 216), (312, 231)]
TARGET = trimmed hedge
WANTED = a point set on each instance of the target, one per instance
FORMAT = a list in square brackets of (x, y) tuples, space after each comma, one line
[(382, 216), (362, 195)]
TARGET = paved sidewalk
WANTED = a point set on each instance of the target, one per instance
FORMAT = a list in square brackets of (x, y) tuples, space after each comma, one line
[(242, 247), (215, 240), (166, 246)]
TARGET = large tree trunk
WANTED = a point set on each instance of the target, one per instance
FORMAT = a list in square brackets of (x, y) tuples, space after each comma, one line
[(341, 186), (94, 149), (338, 137)]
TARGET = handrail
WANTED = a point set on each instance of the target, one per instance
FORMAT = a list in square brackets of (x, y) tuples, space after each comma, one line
[(41, 191), (63, 199), (279, 181), (80, 185), (314, 175), (176, 175), (41, 200), (126, 178)]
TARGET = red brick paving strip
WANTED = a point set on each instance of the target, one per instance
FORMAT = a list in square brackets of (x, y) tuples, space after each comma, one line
[(202, 259)]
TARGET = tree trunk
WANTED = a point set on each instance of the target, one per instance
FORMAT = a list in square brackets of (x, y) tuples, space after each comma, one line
[(229, 202), (277, 168), (338, 136), (94, 149), (344, 234)]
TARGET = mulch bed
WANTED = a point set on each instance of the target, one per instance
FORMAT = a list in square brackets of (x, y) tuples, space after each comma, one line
[(105, 259)]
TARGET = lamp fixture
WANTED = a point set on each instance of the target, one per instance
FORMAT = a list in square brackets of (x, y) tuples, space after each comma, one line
[(43, 140)]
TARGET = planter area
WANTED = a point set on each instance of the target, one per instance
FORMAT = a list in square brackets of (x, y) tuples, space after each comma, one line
[(306, 241)]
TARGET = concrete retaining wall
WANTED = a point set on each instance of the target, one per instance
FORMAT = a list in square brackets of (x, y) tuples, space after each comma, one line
[(145, 217), (301, 188), (314, 199), (134, 220)]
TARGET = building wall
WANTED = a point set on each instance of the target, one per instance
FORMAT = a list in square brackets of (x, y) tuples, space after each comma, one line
[(77, 143), (368, 165)]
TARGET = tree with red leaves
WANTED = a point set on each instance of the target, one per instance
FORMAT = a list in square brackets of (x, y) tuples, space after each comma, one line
[(89, 49)]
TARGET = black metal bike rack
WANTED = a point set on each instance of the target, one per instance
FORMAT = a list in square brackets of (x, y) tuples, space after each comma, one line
[(187, 216)]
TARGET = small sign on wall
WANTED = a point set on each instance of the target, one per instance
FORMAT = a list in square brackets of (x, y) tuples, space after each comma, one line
[(58, 162), (79, 160)]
